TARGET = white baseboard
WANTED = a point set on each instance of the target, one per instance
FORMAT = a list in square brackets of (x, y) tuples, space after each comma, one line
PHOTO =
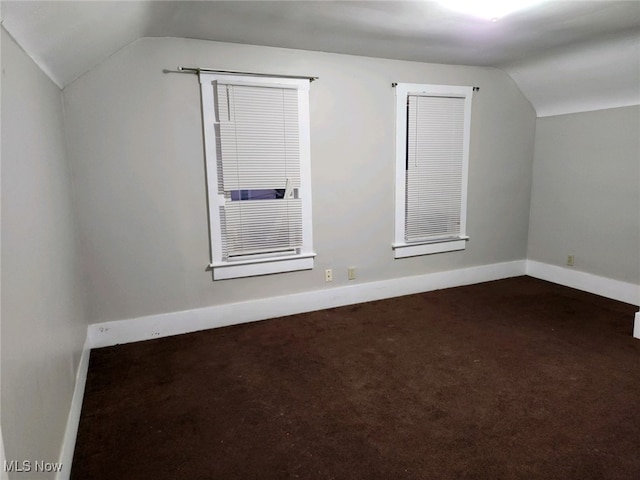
[(73, 420), (175, 323), (605, 287)]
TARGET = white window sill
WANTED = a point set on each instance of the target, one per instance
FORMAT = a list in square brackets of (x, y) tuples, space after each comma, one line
[(262, 266), (404, 250)]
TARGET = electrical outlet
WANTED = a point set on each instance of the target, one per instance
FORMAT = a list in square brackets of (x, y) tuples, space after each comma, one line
[(328, 275), (351, 273), (571, 260)]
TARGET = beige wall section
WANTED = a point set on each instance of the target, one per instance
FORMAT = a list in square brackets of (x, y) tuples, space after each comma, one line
[(586, 192), (136, 149), (43, 324)]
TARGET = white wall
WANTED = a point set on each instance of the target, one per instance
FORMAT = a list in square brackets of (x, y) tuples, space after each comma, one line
[(136, 151), (586, 192), (43, 324)]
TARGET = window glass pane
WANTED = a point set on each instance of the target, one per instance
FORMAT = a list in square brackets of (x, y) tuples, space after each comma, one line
[(262, 194)]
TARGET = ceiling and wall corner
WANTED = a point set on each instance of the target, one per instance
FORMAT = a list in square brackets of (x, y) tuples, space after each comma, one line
[(595, 75), (565, 56), (67, 39)]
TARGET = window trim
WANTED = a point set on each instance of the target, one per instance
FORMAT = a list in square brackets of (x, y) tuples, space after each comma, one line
[(401, 247), (262, 264)]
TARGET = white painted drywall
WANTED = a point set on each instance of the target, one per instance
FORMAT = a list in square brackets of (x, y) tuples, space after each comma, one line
[(43, 325), (136, 150), (586, 192)]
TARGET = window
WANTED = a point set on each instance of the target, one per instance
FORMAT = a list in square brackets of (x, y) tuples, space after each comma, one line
[(432, 157), (258, 174)]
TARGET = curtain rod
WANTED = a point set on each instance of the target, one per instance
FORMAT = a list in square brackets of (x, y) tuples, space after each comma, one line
[(395, 84), (229, 72)]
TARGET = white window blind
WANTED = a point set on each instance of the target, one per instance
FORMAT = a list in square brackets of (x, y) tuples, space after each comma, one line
[(432, 161), (258, 157), (435, 155), (259, 136), (259, 150)]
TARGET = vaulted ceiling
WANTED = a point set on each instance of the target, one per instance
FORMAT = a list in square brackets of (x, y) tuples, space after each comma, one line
[(566, 56)]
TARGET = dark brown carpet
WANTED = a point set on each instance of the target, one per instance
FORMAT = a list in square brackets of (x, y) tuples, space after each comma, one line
[(513, 379)]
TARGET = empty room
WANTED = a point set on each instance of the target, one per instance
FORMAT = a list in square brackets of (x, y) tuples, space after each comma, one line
[(320, 240)]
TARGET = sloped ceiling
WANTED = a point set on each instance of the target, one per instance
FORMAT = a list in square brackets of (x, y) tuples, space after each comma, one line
[(566, 56)]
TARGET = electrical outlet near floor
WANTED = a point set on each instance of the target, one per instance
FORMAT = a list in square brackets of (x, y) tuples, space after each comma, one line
[(571, 259), (351, 273), (328, 275)]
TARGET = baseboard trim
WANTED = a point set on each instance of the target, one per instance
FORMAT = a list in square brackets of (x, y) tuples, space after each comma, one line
[(73, 420), (176, 323), (603, 286)]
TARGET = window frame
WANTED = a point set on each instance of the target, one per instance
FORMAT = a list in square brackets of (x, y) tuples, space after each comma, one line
[(263, 264), (401, 247)]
